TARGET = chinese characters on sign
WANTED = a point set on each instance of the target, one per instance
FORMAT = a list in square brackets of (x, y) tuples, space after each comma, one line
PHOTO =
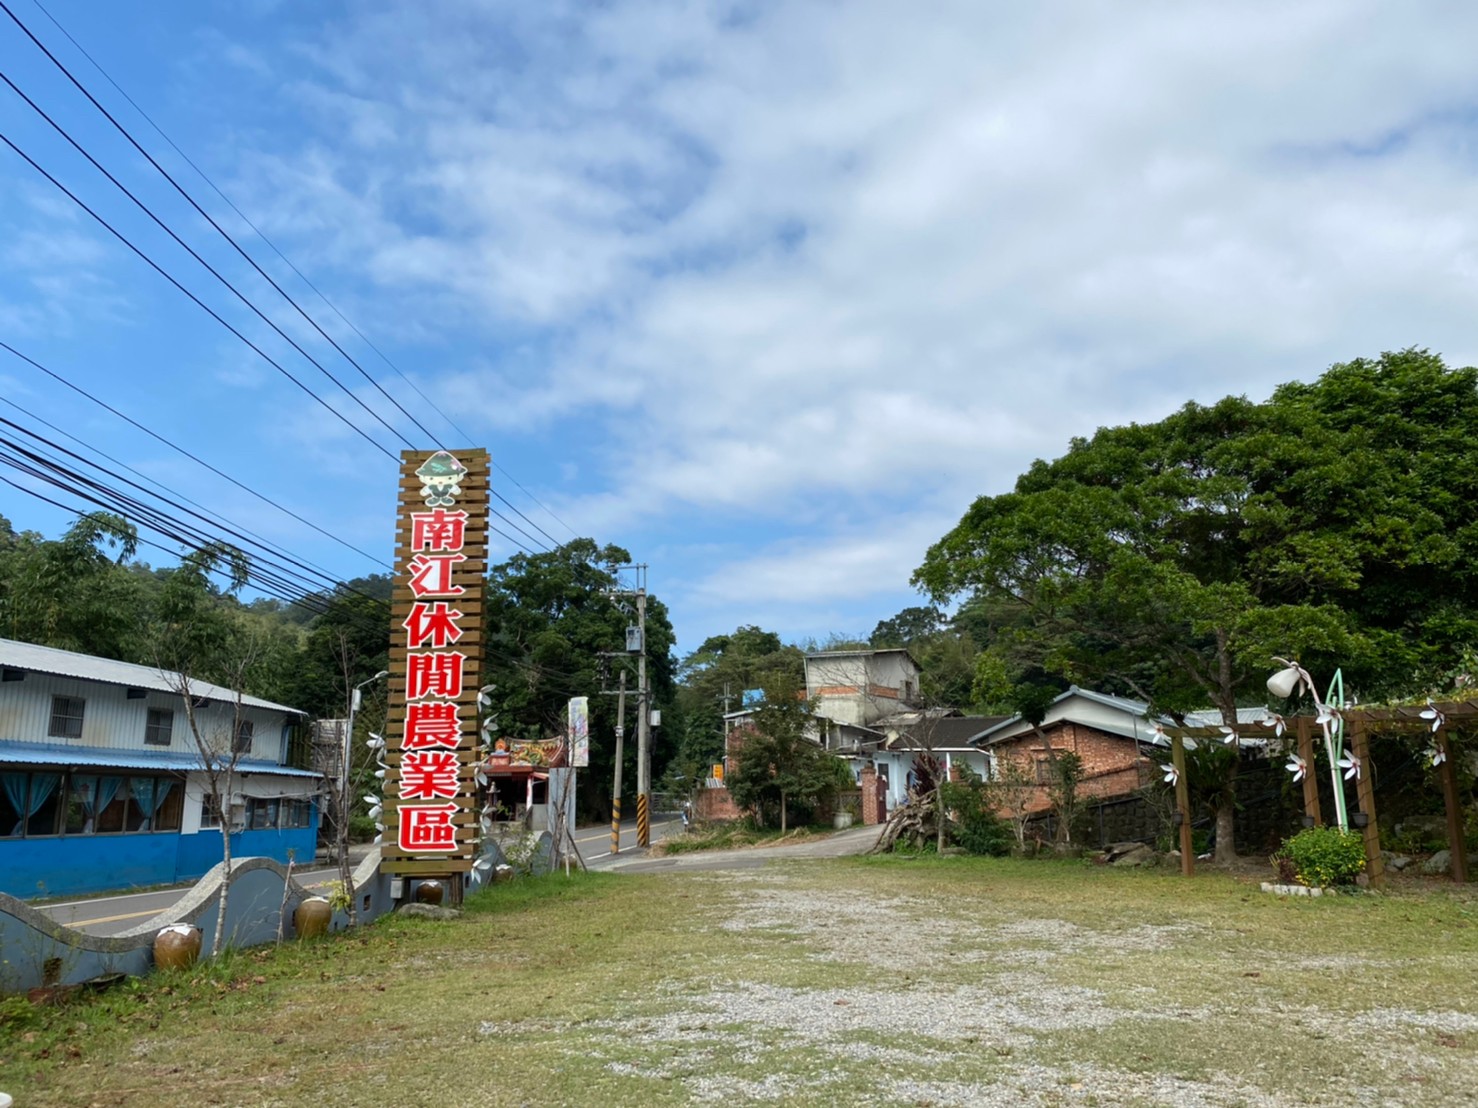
[(436, 636)]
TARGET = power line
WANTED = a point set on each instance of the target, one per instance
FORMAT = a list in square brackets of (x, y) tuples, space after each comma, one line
[(265, 543), (68, 480), (223, 232), (240, 296), (286, 260), (274, 559), (59, 129), (80, 512), (198, 461), (242, 215), (200, 303)]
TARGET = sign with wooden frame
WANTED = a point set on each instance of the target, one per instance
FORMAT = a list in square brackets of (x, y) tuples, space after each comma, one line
[(436, 621)]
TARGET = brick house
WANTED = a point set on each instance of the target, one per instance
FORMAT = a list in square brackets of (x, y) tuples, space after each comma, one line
[(1110, 734)]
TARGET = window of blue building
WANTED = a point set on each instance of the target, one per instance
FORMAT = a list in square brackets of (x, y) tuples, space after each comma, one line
[(36, 804)]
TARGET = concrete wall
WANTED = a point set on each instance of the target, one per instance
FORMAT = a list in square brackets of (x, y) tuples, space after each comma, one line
[(28, 938), (860, 688)]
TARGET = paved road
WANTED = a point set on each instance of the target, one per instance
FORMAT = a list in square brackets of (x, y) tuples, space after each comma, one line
[(855, 840), (110, 915), (595, 842)]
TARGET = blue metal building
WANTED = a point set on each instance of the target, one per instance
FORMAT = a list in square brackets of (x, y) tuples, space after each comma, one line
[(104, 784)]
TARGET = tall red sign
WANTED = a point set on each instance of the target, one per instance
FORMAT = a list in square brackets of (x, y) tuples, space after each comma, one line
[(435, 656)]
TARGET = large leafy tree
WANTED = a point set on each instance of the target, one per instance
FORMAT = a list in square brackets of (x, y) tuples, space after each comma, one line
[(550, 617), (1173, 560), (75, 592), (779, 768), (714, 678)]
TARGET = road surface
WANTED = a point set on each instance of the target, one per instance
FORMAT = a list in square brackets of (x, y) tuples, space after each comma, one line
[(110, 915)]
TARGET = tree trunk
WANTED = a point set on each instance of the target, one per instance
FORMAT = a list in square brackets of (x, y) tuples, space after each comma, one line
[(1226, 846), (1226, 808), (223, 805), (939, 818), (782, 811)]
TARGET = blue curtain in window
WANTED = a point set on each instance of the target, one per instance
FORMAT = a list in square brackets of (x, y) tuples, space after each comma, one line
[(143, 795), (149, 794), (107, 789), (42, 786), (15, 791)]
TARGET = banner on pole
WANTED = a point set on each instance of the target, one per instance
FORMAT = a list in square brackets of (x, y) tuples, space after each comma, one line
[(579, 731)]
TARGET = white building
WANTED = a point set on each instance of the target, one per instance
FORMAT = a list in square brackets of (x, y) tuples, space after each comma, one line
[(102, 785)]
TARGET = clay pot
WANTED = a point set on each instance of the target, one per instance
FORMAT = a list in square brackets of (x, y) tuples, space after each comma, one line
[(430, 892), (177, 946), (312, 917)]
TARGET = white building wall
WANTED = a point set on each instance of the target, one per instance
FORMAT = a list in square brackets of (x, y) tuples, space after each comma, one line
[(110, 720), (865, 686)]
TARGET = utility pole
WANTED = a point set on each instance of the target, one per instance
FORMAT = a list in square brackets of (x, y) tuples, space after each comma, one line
[(616, 788), (643, 727)]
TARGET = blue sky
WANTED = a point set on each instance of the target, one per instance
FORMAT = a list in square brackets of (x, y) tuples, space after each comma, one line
[(764, 292)]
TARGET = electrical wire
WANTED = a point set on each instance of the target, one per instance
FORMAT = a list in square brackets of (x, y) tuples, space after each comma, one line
[(200, 303), (59, 477), (207, 216), (240, 296), (62, 131), (158, 484), (79, 512), (182, 451), (280, 561), (289, 262)]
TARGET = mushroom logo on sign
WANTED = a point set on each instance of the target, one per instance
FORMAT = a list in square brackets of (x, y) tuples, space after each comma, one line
[(441, 479)]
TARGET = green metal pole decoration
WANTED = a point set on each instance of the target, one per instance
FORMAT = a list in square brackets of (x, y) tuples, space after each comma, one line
[(1291, 681)]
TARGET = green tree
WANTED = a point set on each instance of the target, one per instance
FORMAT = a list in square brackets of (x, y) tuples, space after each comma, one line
[(779, 766), (712, 680), (1172, 561), (73, 593), (550, 617)]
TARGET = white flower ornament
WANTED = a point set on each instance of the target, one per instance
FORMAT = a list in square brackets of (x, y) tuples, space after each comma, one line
[(1434, 714), (1351, 765), (1275, 721), (1436, 755), (1172, 775), (1229, 736), (1297, 766)]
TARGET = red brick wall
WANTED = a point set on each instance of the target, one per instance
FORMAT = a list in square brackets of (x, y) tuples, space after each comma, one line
[(1112, 766), (874, 797), (716, 806)]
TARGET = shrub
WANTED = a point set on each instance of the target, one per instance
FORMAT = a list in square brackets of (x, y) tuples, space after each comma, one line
[(975, 827), (1322, 856)]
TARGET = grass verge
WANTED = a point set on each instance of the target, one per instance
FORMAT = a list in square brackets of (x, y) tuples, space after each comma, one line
[(878, 980)]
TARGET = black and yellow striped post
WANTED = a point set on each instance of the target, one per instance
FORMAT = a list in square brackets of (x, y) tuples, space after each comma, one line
[(616, 825), (643, 820)]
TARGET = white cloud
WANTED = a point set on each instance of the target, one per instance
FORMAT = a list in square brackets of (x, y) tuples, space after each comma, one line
[(836, 269)]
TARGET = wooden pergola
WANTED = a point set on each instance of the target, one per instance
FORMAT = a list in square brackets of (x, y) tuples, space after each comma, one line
[(1360, 723)]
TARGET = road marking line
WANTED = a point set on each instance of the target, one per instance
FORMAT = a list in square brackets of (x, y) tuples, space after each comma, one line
[(114, 919)]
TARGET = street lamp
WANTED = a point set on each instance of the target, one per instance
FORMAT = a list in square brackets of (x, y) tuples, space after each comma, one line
[(1289, 681), (356, 698)]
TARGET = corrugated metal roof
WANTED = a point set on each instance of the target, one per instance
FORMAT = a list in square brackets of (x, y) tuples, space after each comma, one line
[(65, 663), (92, 757)]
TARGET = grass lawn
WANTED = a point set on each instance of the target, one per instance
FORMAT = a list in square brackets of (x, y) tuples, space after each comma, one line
[(872, 980)]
